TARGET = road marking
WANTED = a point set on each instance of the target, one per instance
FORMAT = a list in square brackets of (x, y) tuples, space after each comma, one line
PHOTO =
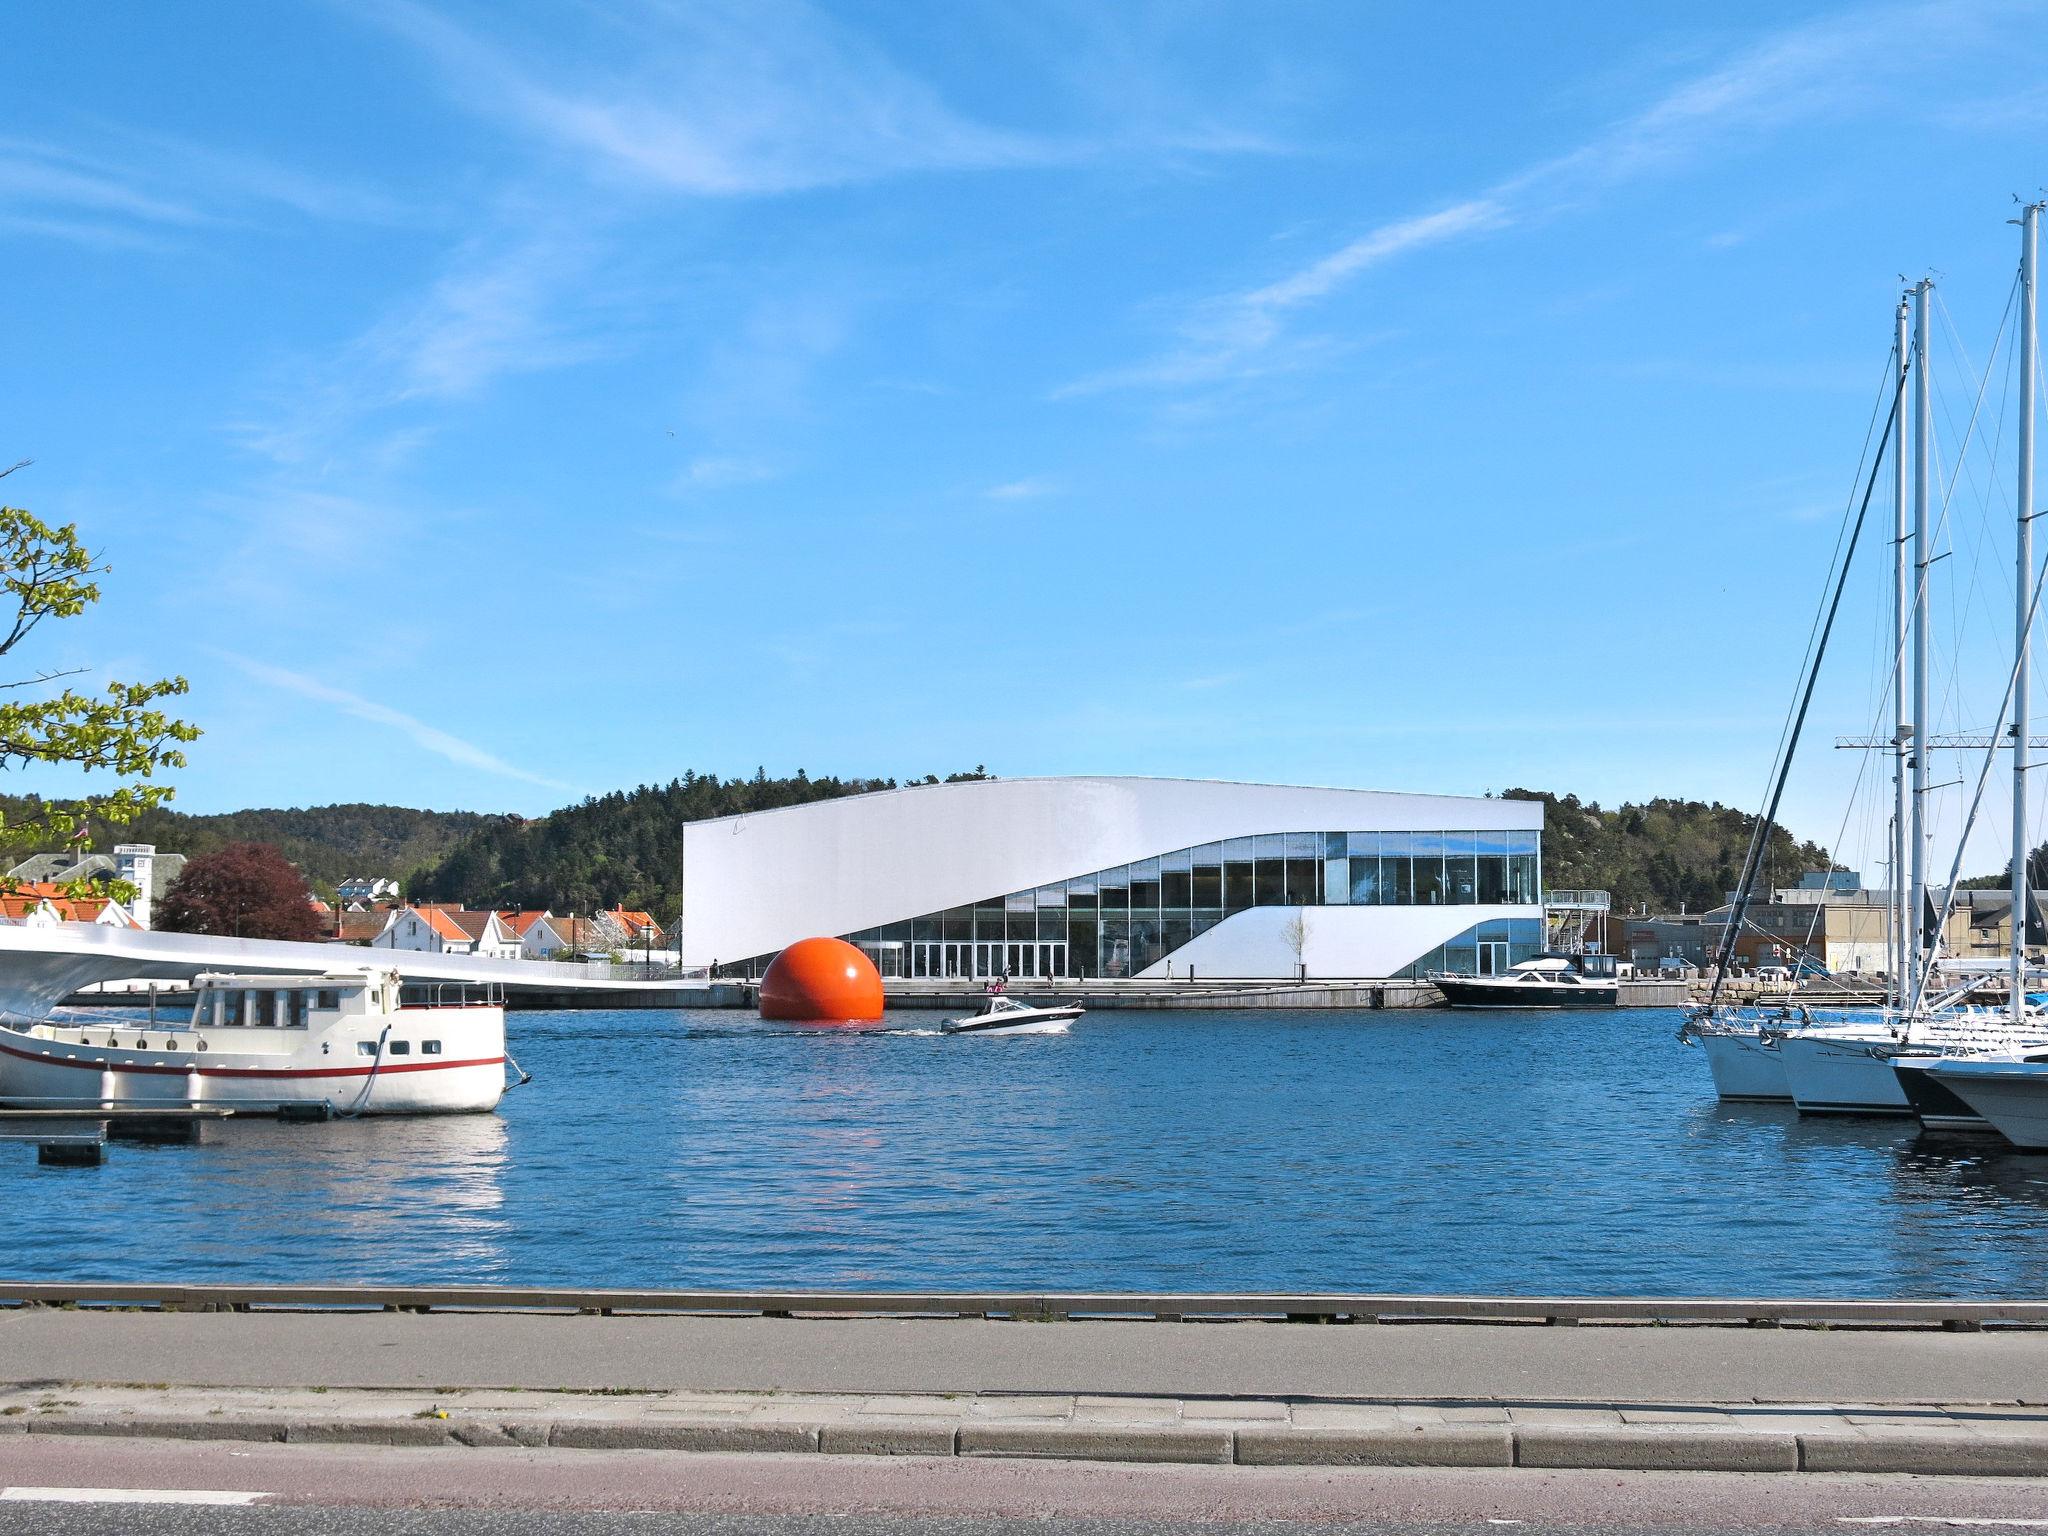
[(1935, 1520), (127, 1496)]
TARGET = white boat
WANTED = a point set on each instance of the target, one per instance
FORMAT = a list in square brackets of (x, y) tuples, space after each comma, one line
[(349, 1042), (2010, 1090), (1744, 1060), (1548, 981), (1843, 1069), (1007, 1016)]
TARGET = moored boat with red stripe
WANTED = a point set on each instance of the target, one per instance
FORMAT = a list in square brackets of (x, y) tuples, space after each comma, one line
[(351, 1042)]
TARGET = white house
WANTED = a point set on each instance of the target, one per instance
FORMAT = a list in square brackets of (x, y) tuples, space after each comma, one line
[(448, 931), (366, 890)]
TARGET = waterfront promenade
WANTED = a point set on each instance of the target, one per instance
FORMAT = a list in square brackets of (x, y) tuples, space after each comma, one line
[(1634, 1397)]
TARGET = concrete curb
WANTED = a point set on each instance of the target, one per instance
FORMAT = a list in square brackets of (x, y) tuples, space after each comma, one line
[(1449, 1445), (1656, 1448), (1099, 1442), (2011, 1449)]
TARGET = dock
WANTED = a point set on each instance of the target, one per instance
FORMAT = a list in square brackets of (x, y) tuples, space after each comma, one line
[(1354, 994)]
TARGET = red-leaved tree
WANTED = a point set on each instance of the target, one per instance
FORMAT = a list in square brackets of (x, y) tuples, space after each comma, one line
[(247, 891)]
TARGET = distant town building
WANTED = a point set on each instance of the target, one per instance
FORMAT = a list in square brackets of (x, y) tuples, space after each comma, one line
[(364, 891), (447, 930), (637, 930), (1829, 921), (40, 904), (139, 864)]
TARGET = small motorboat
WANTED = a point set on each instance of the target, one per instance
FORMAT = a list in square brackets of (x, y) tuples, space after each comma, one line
[(1007, 1016)]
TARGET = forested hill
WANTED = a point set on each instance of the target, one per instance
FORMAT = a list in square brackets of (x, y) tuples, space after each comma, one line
[(626, 847), (1666, 853), (623, 848), (329, 843)]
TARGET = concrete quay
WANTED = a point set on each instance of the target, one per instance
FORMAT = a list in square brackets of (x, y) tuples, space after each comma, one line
[(1351, 993), (1639, 1398)]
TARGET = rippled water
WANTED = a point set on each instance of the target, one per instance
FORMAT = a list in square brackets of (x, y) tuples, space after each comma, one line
[(1232, 1150)]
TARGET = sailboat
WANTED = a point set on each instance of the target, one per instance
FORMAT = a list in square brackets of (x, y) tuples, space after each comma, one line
[(2002, 1083), (1885, 1061)]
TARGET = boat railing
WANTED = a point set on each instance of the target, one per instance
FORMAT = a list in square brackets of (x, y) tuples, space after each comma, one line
[(451, 994)]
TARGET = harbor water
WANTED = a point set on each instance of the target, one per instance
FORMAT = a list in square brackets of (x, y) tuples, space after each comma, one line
[(1396, 1151)]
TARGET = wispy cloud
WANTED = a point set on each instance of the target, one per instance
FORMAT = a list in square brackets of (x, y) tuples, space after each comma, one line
[(717, 99), (430, 738), (1030, 488), (499, 308), (139, 190), (1828, 66)]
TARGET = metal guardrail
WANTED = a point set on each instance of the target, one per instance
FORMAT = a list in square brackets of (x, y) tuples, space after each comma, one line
[(1044, 1306)]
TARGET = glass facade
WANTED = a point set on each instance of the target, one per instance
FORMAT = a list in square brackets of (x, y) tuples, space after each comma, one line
[(1116, 922)]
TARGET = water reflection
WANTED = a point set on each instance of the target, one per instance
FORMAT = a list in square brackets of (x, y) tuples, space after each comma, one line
[(1385, 1151)]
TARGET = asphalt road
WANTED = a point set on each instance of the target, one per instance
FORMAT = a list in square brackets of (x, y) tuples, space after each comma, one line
[(351, 1490), (1392, 1361)]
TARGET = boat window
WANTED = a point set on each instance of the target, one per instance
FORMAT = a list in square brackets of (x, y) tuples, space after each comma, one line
[(295, 1003), (230, 1008), (366, 1047), (327, 1000), (401, 1047), (430, 1047), (262, 1009)]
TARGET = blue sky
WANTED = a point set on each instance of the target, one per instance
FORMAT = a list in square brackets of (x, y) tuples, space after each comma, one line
[(486, 405)]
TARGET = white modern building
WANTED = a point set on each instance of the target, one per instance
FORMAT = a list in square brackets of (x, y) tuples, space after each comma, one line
[(1123, 877)]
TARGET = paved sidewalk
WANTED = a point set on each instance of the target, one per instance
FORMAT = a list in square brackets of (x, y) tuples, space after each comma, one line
[(1959, 1439), (1394, 1362)]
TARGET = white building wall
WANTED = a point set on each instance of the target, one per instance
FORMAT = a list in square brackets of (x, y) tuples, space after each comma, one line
[(136, 863), (757, 882), (1339, 942), (407, 930)]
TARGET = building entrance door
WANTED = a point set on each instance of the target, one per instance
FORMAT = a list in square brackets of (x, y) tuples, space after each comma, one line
[(1493, 957), (940, 961), (1003, 959)]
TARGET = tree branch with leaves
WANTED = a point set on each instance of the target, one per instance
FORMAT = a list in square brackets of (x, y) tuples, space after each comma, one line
[(120, 732)]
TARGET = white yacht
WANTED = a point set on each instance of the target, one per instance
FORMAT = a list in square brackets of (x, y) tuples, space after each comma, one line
[(349, 1042), (1007, 1016), (1855, 1069), (2009, 1089)]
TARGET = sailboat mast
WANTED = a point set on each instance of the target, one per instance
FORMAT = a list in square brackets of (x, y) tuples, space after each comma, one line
[(2030, 220), (1902, 956), (1923, 432)]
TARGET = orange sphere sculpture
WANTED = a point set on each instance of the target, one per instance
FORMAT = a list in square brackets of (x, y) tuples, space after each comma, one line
[(821, 979)]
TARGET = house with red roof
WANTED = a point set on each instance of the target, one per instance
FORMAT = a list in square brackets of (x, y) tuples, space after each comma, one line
[(443, 928), (44, 904)]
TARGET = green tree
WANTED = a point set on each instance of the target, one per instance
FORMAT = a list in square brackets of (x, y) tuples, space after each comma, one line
[(47, 573)]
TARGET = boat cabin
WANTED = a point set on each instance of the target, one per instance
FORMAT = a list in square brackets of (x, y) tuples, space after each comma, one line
[(289, 1002), (296, 1002)]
